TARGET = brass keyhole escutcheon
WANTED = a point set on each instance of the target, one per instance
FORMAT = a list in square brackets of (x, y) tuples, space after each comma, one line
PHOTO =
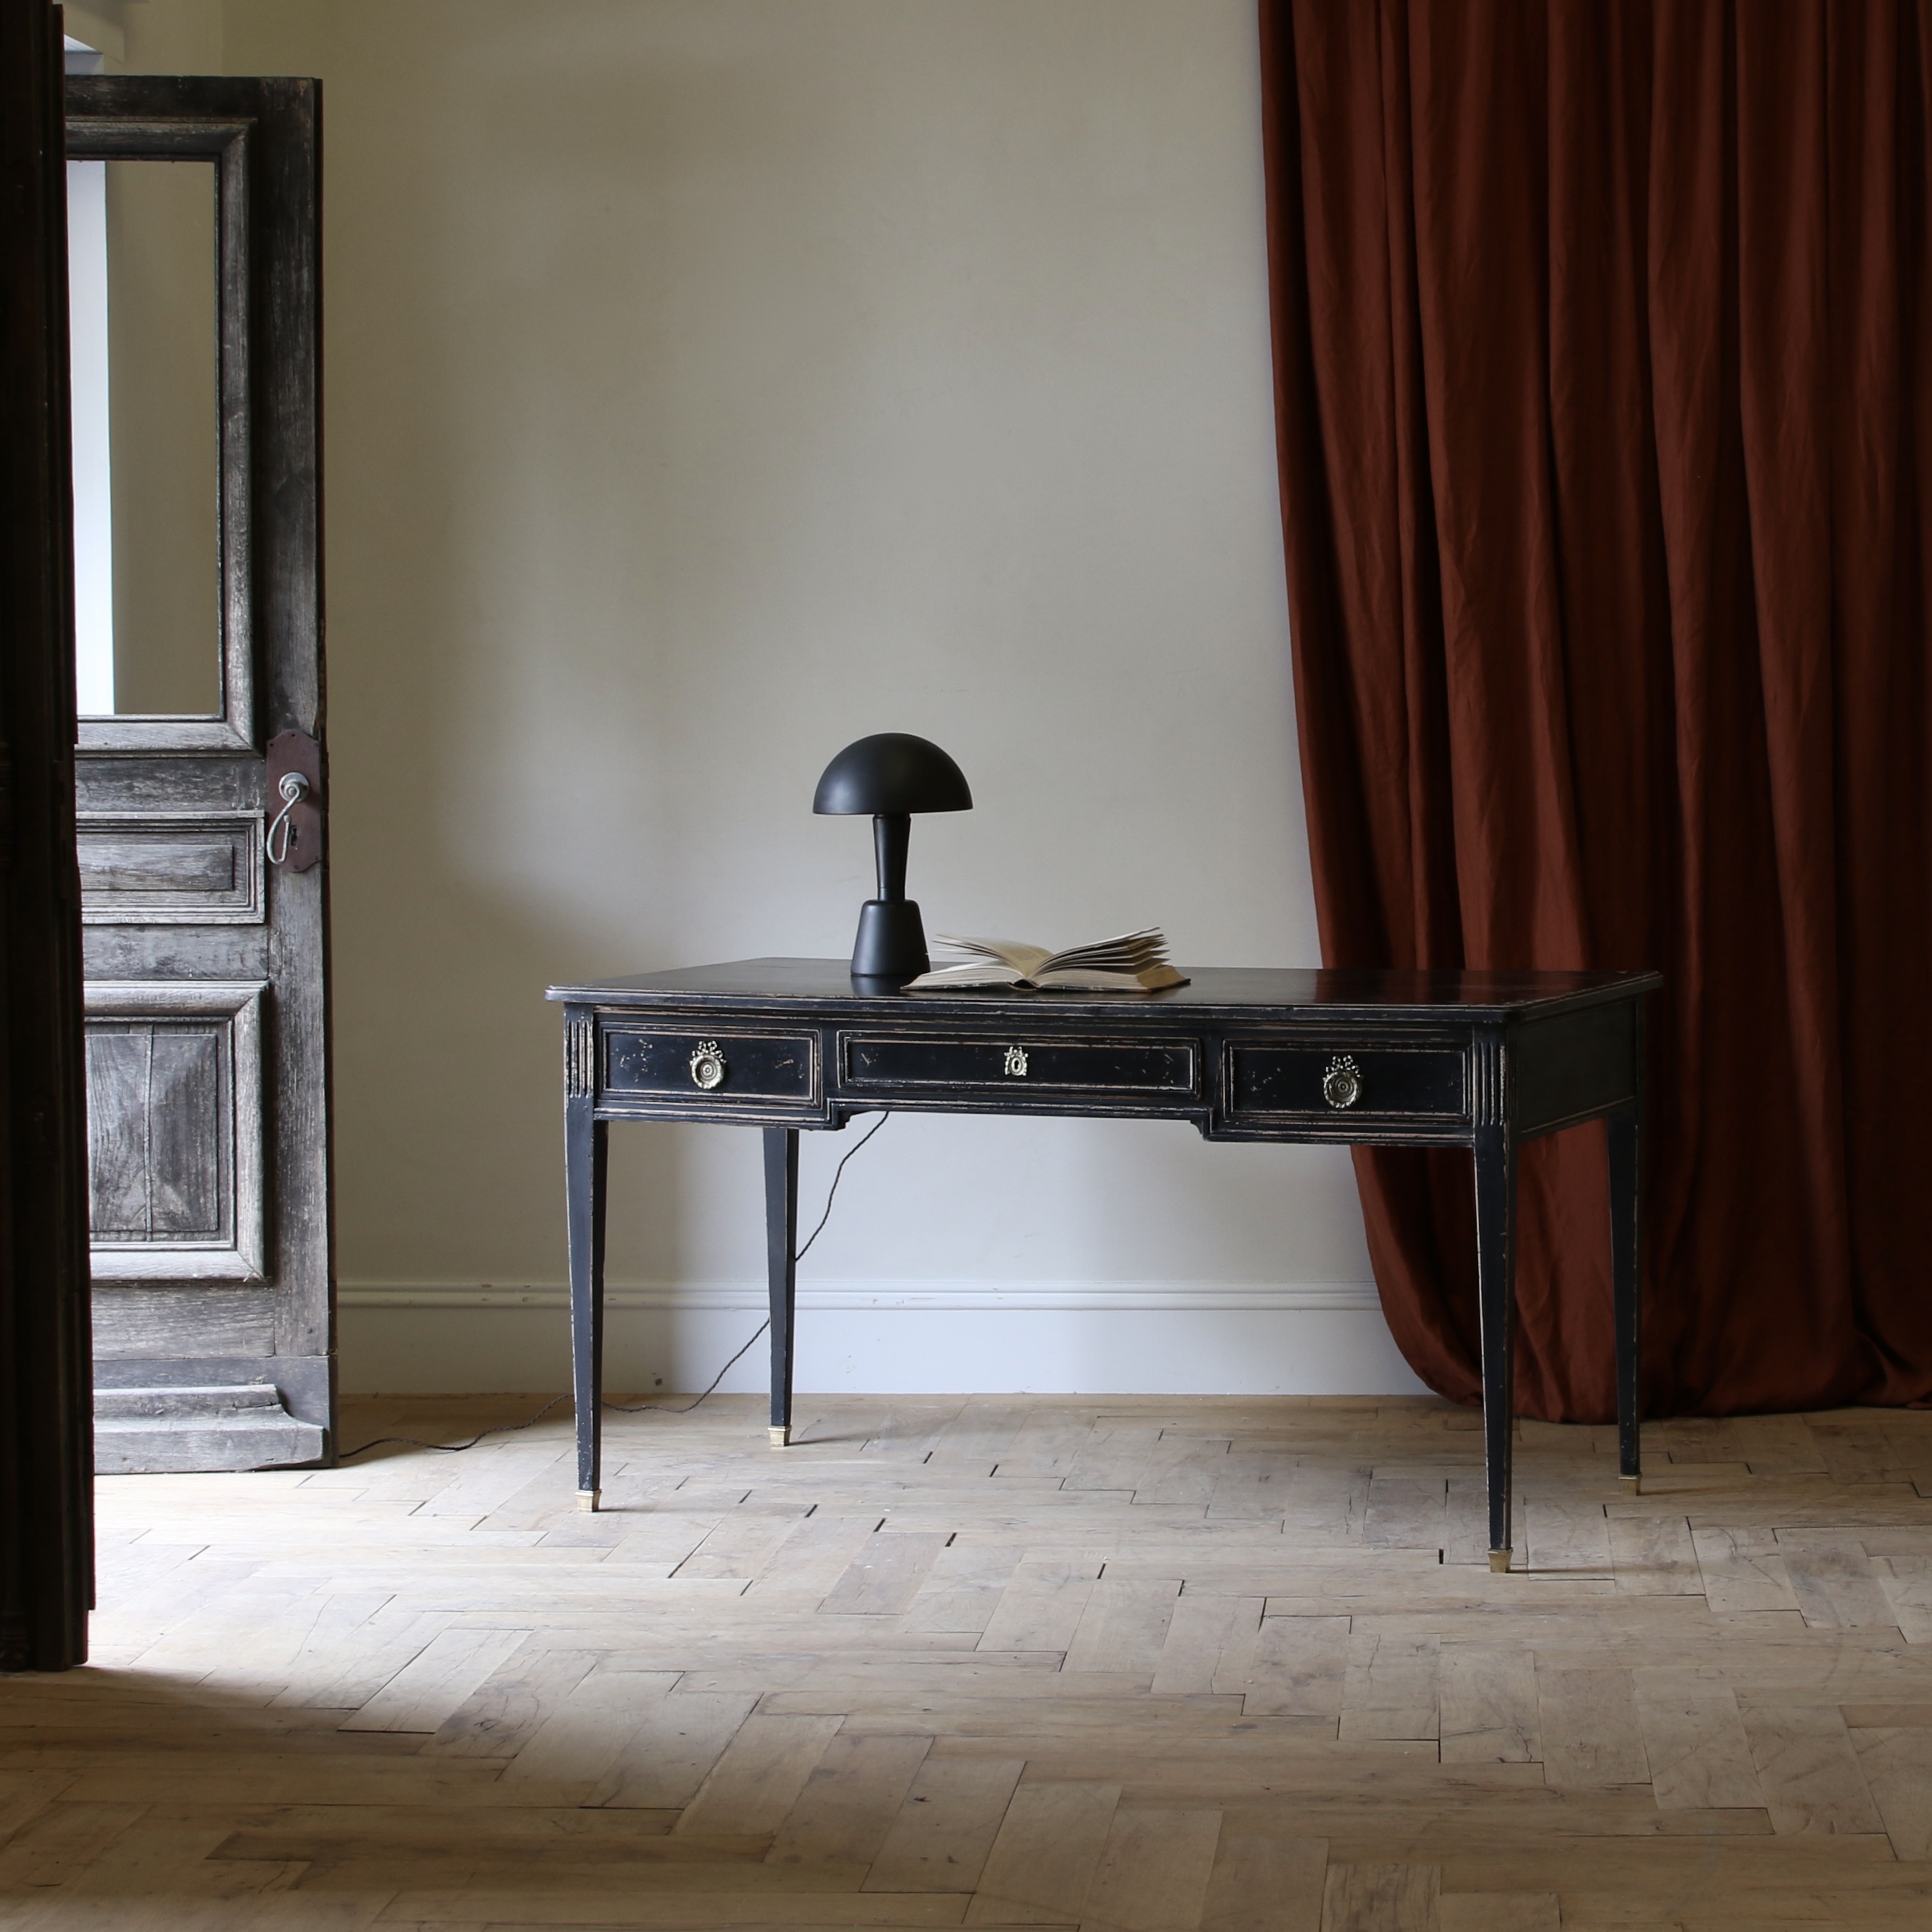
[(1015, 1065), (1341, 1084), (707, 1065)]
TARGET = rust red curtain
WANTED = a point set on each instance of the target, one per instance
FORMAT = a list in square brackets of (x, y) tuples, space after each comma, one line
[(1603, 364)]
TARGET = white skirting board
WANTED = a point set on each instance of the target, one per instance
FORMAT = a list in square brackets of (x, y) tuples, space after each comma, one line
[(867, 1336)]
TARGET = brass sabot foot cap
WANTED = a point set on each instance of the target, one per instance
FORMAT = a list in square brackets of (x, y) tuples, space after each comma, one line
[(781, 1437), (1633, 1485), (588, 1499), (1499, 1561)]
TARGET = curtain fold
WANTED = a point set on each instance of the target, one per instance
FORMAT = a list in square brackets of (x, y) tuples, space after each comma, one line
[(1604, 382)]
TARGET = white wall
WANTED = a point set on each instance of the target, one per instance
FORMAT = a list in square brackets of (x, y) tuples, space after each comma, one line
[(710, 382)]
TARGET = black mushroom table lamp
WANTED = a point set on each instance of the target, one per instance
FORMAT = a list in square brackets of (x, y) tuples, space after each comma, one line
[(891, 774)]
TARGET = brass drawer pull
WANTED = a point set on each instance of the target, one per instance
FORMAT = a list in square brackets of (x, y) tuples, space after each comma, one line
[(1341, 1084), (707, 1065)]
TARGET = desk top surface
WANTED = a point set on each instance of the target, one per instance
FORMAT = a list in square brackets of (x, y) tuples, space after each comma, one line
[(826, 984)]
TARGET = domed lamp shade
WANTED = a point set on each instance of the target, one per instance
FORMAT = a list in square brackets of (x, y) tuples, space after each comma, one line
[(891, 774)]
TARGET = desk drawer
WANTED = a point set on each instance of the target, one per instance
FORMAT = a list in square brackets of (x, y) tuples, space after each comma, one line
[(711, 1065), (1019, 1064), (1406, 1083)]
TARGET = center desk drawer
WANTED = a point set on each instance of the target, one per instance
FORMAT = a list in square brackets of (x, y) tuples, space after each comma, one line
[(713, 1065), (1019, 1064), (1422, 1082)]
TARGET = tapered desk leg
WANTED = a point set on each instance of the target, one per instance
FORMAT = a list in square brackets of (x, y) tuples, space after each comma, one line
[(1495, 1264), (780, 1267), (585, 1139), (1626, 1138)]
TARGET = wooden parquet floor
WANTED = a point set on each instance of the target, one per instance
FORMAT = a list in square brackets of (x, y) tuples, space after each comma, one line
[(1131, 1665)]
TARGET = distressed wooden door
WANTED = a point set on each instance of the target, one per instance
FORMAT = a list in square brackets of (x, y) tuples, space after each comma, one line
[(195, 293)]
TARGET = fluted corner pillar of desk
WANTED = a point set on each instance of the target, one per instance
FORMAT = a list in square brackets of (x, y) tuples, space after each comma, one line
[(1485, 1060)]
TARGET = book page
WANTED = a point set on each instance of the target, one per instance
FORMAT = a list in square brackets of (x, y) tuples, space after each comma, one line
[(1125, 952), (1024, 960), (973, 973)]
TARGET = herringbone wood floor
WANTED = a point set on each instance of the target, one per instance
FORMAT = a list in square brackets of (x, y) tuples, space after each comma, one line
[(1136, 1664)]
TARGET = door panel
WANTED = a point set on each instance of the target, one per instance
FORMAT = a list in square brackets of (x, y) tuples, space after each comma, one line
[(207, 999), (152, 868), (174, 1111)]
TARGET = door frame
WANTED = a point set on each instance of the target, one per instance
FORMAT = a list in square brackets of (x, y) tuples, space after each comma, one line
[(228, 143), (46, 1494), (264, 139)]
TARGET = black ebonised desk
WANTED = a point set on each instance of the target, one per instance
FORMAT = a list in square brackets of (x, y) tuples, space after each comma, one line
[(1484, 1060)]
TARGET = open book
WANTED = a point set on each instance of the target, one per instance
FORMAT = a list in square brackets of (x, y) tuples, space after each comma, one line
[(1135, 962)]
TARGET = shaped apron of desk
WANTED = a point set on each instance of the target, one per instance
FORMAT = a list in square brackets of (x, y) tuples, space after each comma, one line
[(1481, 1060)]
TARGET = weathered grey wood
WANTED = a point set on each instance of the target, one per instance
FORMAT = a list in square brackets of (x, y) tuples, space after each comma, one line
[(302, 1384), (289, 616), (177, 953), (159, 1110), (181, 1427), (46, 1566), (119, 1064), (149, 119), (133, 863), (153, 784), (166, 798), (157, 868), (174, 1128), (170, 1322)]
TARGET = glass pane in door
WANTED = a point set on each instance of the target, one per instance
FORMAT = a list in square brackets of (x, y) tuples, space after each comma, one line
[(142, 290)]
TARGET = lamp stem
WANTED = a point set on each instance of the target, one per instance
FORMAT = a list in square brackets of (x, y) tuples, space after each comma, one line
[(891, 833)]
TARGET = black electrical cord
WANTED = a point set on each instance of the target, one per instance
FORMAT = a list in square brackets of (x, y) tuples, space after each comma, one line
[(831, 1195), (665, 1408), (631, 1408), (451, 1448)]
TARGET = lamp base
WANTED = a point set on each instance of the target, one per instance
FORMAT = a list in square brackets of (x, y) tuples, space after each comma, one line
[(891, 944)]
